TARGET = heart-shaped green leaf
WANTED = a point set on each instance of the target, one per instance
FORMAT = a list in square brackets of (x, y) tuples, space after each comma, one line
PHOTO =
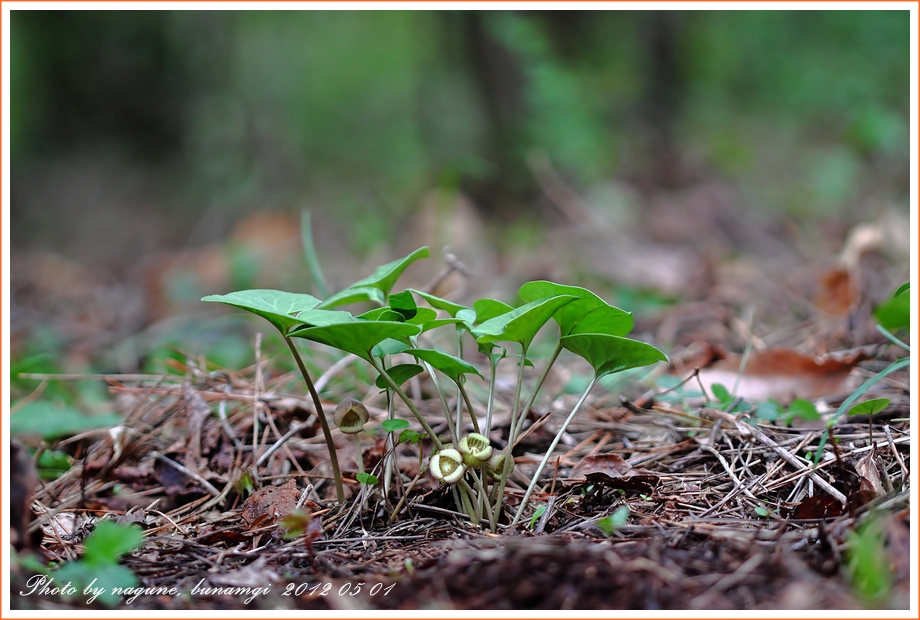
[(902, 289), (366, 478), (399, 374), (404, 303), (488, 308), (385, 276), (439, 304), (358, 337), (521, 324), (603, 319), (589, 314), (423, 316), (278, 307), (870, 407), (352, 295), (609, 354), (318, 318), (409, 436), (436, 323), (382, 314), (453, 367), (394, 425), (389, 347)]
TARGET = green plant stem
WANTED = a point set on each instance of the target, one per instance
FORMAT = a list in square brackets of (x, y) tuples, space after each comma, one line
[(496, 510), (437, 386), (324, 424), (390, 447), (469, 406), (405, 398), (306, 231), (535, 391), (466, 494), (359, 455), (402, 500), (549, 452), (482, 495), (887, 334), (491, 402), (459, 403)]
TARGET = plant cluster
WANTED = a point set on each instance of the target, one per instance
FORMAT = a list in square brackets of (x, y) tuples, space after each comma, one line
[(477, 470)]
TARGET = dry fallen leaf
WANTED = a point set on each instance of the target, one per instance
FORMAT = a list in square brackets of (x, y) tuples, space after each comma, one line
[(869, 479), (268, 504), (612, 471), (784, 374)]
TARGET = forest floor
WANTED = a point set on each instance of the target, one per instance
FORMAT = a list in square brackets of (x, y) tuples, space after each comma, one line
[(721, 509)]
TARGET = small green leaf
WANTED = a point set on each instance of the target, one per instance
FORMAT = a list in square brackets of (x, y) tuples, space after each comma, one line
[(366, 478), (521, 324), (278, 307), (382, 314), (404, 304), (436, 323), (609, 354), (352, 295), (487, 308), (589, 314), (721, 393), (868, 560), (895, 313), (49, 421), (391, 426), (902, 289), (870, 407), (109, 541), (423, 316), (803, 409), (389, 347), (603, 320), (358, 337), (453, 367), (615, 521), (536, 515), (399, 374), (408, 436), (52, 463), (761, 511), (769, 410), (385, 276), (438, 303)]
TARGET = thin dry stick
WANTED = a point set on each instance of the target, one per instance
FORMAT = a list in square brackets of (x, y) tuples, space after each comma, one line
[(738, 484), (897, 455), (787, 456), (188, 472)]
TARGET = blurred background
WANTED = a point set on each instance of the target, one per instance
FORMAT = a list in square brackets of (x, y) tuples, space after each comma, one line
[(690, 166)]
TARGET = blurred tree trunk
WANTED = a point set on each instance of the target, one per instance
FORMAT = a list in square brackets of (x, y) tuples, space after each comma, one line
[(664, 95), (498, 77)]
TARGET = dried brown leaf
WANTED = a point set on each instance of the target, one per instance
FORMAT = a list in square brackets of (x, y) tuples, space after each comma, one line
[(268, 504), (784, 374)]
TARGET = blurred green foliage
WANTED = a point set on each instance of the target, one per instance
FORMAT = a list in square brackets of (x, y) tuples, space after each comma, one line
[(363, 110)]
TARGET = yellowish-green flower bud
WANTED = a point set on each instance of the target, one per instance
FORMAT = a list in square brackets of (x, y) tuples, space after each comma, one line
[(475, 449)]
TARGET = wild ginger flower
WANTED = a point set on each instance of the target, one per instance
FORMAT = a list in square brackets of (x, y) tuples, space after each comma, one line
[(350, 416), (447, 466)]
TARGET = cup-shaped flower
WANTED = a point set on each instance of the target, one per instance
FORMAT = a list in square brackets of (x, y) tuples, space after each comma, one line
[(350, 416), (497, 464), (475, 449), (447, 466)]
